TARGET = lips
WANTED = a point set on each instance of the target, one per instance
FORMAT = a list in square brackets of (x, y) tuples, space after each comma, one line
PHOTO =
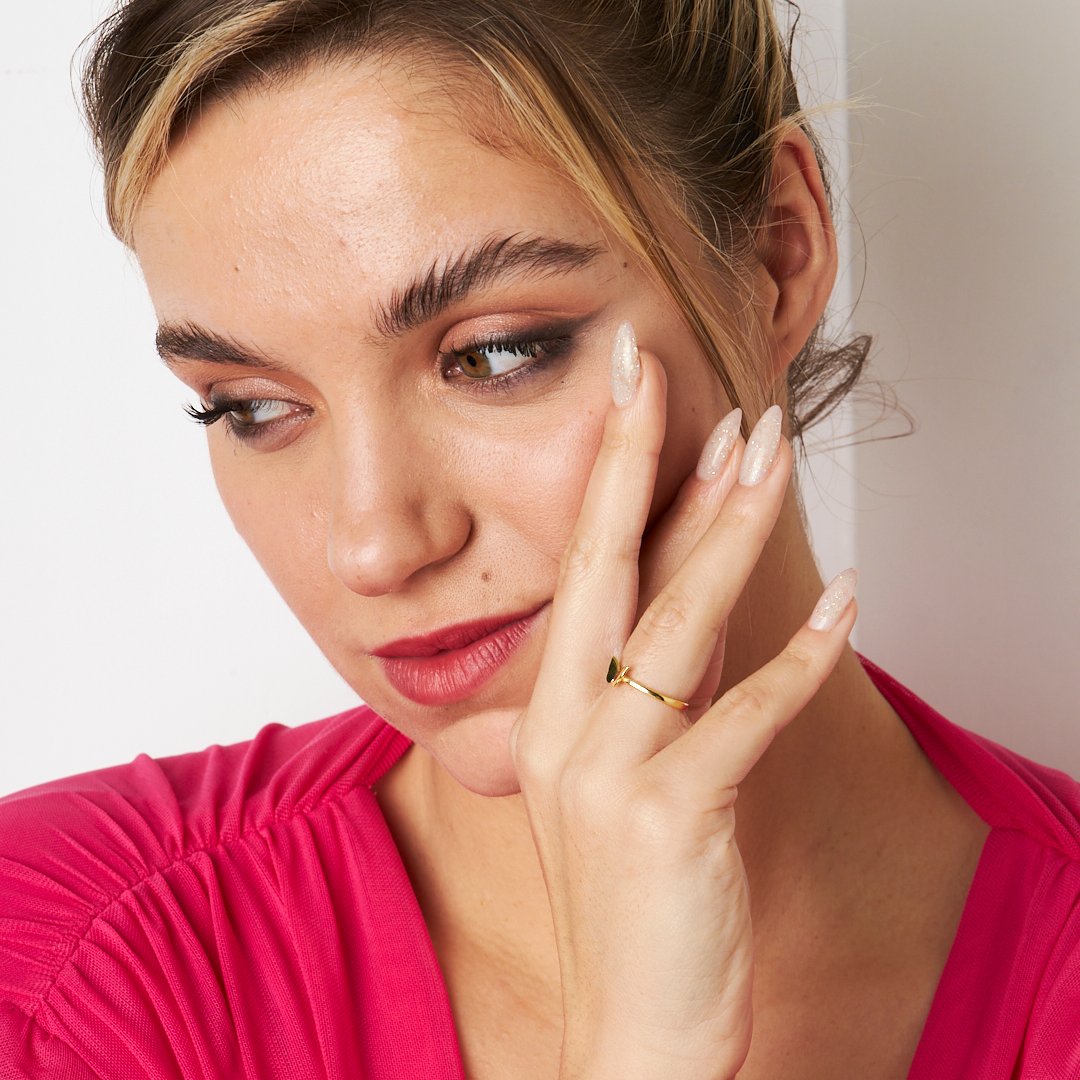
[(451, 637), (443, 676)]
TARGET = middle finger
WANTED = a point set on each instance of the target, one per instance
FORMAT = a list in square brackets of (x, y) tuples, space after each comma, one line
[(673, 644)]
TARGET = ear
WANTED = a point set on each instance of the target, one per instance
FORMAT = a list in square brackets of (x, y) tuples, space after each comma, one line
[(797, 252)]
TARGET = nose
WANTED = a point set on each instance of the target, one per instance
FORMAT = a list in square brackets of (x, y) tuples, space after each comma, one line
[(391, 512)]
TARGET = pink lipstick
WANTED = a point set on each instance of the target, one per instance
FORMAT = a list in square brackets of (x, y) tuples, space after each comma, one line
[(451, 664)]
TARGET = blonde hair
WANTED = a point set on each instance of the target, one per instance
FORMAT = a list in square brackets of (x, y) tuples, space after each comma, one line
[(665, 115)]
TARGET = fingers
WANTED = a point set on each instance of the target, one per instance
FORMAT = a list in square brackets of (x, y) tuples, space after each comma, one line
[(709, 761), (697, 502), (596, 596), (673, 648)]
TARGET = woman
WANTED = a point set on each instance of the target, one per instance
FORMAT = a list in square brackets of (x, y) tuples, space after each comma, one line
[(478, 302)]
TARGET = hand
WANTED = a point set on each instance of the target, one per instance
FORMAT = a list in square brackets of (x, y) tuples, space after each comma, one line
[(631, 802)]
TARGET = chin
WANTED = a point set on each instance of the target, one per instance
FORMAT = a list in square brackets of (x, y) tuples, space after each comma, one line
[(475, 751)]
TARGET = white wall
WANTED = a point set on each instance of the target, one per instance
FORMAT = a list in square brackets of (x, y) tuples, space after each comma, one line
[(132, 618), (965, 186), (827, 473)]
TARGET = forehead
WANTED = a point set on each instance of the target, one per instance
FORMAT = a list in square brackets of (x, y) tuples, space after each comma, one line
[(346, 180)]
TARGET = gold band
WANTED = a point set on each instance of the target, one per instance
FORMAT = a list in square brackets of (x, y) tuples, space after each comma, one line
[(616, 674)]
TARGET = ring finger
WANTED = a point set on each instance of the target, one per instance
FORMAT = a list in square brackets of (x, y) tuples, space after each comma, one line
[(672, 648)]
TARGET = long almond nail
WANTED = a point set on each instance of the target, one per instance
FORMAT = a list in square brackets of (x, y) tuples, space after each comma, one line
[(834, 600), (718, 446), (625, 365), (761, 447)]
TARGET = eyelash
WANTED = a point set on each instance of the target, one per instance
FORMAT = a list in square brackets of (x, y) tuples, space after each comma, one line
[(545, 351)]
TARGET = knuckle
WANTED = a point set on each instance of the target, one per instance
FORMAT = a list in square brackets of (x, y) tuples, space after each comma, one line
[(746, 518), (669, 614), (535, 765), (586, 553), (622, 443), (619, 441), (747, 700), (808, 665), (741, 515), (581, 555), (804, 660)]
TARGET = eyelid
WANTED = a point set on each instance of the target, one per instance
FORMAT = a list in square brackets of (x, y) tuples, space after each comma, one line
[(525, 326), (253, 435)]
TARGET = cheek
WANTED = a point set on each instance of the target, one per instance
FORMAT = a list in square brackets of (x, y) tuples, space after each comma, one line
[(277, 515), (696, 403), (524, 486), (531, 494)]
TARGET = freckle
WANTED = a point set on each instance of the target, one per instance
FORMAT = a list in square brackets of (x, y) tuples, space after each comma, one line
[(485, 576), (237, 269)]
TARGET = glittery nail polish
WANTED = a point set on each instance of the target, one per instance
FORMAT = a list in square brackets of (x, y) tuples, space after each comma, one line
[(834, 600), (718, 446), (761, 447), (625, 365)]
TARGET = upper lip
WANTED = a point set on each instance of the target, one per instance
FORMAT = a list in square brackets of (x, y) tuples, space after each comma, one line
[(451, 637)]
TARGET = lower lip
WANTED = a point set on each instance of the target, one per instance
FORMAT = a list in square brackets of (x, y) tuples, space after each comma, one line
[(456, 674)]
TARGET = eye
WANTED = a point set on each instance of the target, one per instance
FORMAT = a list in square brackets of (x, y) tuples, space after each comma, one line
[(257, 412), (485, 361), (246, 419), (501, 364)]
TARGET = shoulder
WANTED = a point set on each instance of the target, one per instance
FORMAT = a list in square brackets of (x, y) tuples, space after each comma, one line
[(1007, 790), (1011, 989), (71, 848)]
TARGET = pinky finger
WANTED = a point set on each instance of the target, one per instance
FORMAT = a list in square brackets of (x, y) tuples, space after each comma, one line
[(710, 759)]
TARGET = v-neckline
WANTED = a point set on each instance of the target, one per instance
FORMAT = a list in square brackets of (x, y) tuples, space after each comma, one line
[(953, 976)]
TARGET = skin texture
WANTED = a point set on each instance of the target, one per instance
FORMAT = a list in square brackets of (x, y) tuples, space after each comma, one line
[(398, 502), (414, 504)]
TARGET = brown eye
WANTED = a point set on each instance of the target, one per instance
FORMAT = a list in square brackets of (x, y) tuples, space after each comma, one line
[(476, 363), (257, 412), (496, 359)]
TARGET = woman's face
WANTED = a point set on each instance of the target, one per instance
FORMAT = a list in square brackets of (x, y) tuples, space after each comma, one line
[(412, 331)]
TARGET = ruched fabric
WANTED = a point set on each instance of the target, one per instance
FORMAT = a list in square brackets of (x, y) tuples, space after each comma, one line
[(242, 912)]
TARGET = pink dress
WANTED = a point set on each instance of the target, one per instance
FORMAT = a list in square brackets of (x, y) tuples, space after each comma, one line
[(243, 913)]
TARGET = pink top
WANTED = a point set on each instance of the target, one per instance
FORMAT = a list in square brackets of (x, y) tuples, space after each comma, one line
[(243, 912)]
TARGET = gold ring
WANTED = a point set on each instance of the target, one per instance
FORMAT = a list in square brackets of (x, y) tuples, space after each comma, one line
[(616, 674)]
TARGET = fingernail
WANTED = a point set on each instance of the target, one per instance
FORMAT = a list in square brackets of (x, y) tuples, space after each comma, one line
[(718, 446), (761, 447), (834, 600), (625, 365)]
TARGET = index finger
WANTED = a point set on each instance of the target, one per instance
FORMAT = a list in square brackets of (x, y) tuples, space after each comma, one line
[(593, 610)]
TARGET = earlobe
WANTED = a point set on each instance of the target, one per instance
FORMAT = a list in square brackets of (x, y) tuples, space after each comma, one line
[(797, 250)]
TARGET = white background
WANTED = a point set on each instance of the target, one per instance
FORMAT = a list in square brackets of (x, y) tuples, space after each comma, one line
[(132, 619)]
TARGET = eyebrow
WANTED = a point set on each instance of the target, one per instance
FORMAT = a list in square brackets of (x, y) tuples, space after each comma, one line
[(452, 280), (446, 282)]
